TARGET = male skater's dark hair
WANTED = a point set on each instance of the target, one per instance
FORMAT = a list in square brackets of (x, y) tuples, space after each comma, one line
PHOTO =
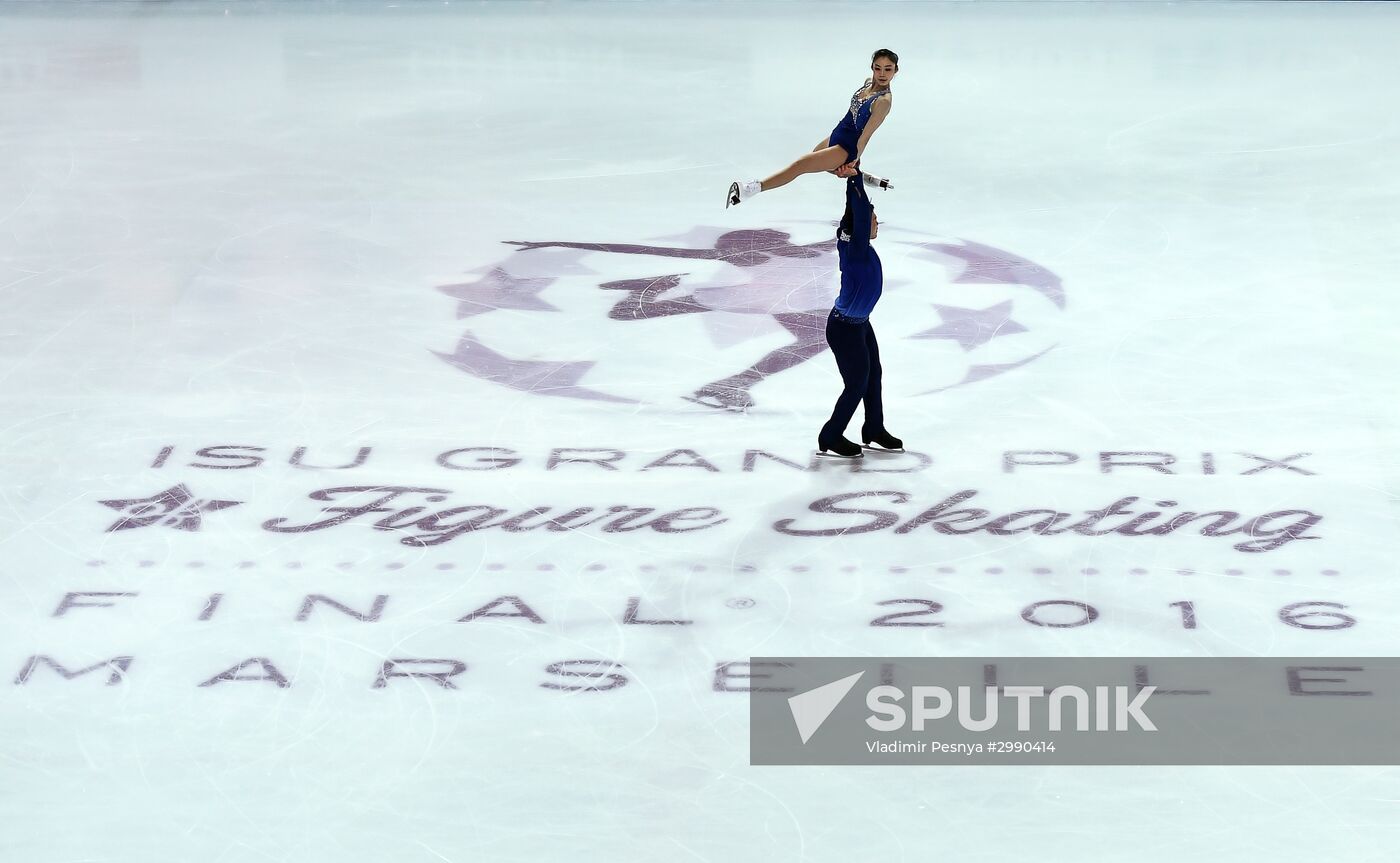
[(848, 220)]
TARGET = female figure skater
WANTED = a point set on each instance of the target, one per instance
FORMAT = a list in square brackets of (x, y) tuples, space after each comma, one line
[(870, 105), (849, 333)]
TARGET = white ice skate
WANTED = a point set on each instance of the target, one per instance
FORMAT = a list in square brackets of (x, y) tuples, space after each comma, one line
[(878, 182), (739, 192)]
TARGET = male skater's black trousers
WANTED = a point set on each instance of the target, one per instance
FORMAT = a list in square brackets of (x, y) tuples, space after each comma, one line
[(858, 358)]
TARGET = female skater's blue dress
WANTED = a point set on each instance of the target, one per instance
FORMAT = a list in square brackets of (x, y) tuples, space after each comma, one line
[(847, 133)]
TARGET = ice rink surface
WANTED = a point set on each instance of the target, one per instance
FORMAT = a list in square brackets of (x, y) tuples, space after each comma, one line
[(285, 417)]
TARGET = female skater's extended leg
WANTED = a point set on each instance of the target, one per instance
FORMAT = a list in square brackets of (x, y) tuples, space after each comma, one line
[(821, 159), (825, 159)]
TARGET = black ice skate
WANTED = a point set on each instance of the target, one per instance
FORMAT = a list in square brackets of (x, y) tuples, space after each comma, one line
[(882, 441), (839, 448)]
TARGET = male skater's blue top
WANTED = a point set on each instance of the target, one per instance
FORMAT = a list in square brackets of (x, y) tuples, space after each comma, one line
[(862, 277), (847, 132)]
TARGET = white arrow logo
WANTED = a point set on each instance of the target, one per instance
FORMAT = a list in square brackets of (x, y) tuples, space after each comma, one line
[(811, 708)]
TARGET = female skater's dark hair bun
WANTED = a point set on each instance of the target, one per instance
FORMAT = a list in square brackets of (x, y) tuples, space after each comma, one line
[(885, 52)]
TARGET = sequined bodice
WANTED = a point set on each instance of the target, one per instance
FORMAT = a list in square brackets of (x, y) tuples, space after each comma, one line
[(859, 114)]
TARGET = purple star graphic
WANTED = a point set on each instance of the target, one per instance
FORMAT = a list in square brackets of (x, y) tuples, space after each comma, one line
[(981, 373), (551, 262), (175, 507), (498, 290), (541, 377), (973, 328), (985, 265)]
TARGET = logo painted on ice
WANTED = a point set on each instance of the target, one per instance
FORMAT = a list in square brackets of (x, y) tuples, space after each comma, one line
[(969, 311), (174, 508)]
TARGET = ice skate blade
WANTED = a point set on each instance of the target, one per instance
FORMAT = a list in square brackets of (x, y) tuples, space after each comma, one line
[(874, 447), (732, 199), (838, 456)]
